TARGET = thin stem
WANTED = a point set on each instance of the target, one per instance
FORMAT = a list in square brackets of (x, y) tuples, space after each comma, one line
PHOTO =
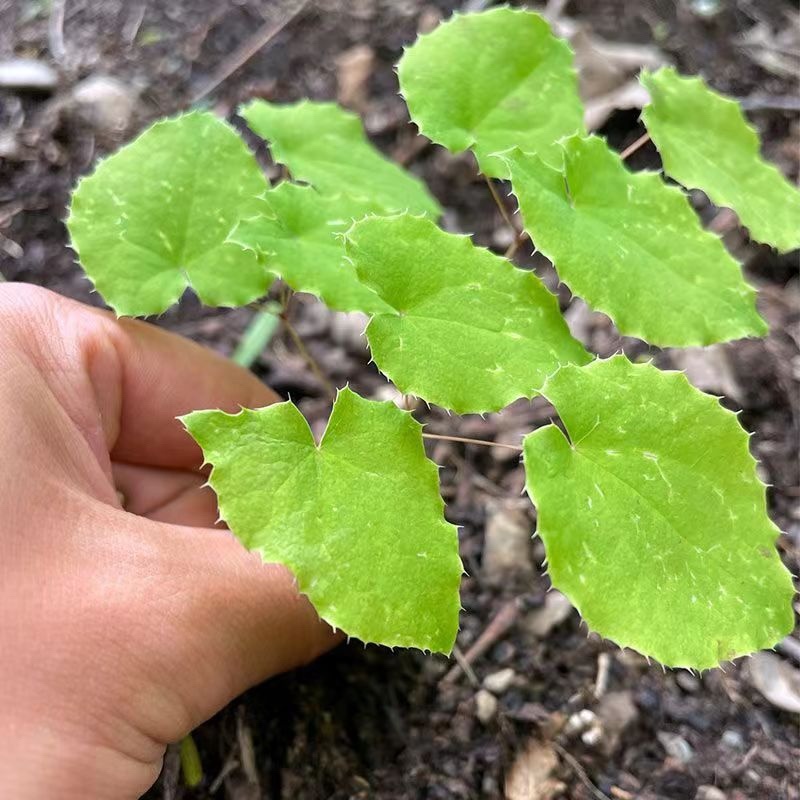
[(501, 206), (261, 38), (484, 442), (632, 148), (308, 358), (516, 244)]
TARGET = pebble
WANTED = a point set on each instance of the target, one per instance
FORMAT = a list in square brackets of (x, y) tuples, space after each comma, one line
[(732, 739), (541, 621), (485, 706), (617, 712), (707, 792), (592, 736), (580, 721), (688, 682), (777, 681), (104, 103), (506, 544), (27, 73), (676, 746), (499, 682)]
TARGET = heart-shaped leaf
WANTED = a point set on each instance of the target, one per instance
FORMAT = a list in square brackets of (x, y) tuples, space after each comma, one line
[(653, 518), (154, 218), (633, 248), (358, 518), (492, 81), (466, 329)]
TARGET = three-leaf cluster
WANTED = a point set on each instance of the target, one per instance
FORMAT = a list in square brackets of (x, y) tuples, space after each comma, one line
[(649, 506)]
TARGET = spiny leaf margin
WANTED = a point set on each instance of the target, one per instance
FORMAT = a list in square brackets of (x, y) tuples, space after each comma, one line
[(706, 142), (357, 518), (324, 145), (466, 330), (298, 236), (144, 231), (613, 237), (446, 81), (574, 481)]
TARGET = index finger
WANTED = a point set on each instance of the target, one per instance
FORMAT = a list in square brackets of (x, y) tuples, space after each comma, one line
[(123, 382)]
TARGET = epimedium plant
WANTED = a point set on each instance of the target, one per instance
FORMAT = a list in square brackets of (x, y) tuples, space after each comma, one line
[(652, 515)]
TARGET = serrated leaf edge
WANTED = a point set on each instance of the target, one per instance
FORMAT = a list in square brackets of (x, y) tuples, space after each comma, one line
[(543, 534), (322, 610), (633, 330), (456, 14), (125, 310), (718, 198), (505, 398)]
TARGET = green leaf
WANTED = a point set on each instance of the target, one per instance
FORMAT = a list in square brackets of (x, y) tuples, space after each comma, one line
[(299, 236), (324, 145), (154, 218), (490, 82), (466, 329), (706, 142), (653, 517), (358, 518), (633, 248)]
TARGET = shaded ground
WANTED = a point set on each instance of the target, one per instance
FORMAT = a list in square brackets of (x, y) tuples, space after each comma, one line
[(368, 723)]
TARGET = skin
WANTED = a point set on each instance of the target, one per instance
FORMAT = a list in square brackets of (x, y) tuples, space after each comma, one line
[(127, 618)]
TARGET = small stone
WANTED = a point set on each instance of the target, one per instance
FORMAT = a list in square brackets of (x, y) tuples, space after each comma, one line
[(593, 736), (688, 682), (676, 746), (485, 706), (580, 721), (707, 792), (499, 682), (541, 621), (706, 8), (777, 681), (9, 146), (104, 103), (732, 739), (617, 712), (506, 544), (751, 776), (27, 73)]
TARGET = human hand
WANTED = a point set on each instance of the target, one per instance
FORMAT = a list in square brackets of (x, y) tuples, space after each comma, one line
[(127, 619)]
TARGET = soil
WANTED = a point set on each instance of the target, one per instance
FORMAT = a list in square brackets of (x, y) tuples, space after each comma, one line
[(364, 722)]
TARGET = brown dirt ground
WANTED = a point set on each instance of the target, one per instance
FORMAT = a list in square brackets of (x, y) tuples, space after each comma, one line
[(366, 722)]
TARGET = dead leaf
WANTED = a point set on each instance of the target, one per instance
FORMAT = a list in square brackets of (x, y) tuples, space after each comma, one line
[(777, 52), (709, 369), (530, 776), (607, 71), (630, 95), (353, 69)]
